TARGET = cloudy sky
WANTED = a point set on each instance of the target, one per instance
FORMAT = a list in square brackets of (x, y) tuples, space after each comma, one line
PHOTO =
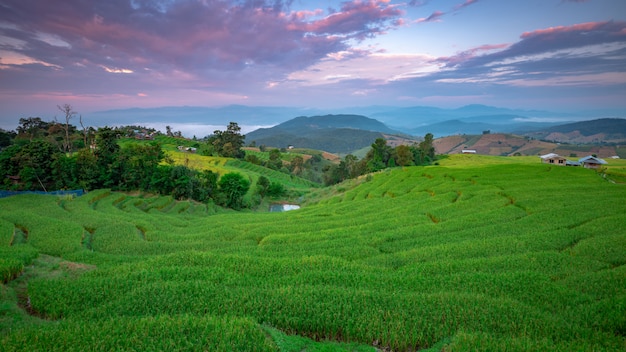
[(98, 55)]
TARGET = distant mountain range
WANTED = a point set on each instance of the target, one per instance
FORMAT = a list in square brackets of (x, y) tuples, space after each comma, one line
[(348, 133), (416, 120)]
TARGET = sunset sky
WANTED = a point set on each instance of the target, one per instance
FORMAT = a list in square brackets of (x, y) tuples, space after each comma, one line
[(99, 55)]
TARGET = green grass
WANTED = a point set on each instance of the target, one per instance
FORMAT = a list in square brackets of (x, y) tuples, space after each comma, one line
[(477, 253)]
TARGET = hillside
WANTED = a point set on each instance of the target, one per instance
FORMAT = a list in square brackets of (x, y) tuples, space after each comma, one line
[(608, 130), (510, 144), (332, 133), (479, 253)]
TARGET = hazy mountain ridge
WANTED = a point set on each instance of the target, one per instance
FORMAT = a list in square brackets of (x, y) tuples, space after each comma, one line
[(416, 120), (332, 133)]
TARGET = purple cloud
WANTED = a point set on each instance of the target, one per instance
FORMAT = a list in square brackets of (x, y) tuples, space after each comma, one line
[(577, 54), (437, 15), (465, 4), (196, 35), (434, 17)]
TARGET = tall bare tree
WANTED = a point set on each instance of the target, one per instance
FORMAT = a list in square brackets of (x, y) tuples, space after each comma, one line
[(86, 139), (69, 113)]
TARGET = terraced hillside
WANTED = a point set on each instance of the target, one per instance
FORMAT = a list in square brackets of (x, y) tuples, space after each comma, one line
[(477, 253)]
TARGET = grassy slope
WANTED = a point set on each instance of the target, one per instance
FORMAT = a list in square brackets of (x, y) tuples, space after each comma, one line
[(479, 253)]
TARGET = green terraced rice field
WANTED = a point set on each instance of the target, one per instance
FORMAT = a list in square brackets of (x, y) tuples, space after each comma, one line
[(475, 254)]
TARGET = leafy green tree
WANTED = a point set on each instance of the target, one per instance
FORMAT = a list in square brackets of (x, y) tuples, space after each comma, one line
[(34, 161), (336, 173), (229, 143), (297, 165), (425, 153), (276, 189), (6, 138), (262, 184), (275, 161), (65, 172), (354, 167), (233, 186), (106, 153), (7, 166), (183, 182), (32, 127), (378, 156), (138, 163), (251, 158), (87, 170), (403, 155), (206, 187)]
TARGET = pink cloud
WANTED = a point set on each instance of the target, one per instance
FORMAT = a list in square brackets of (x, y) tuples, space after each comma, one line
[(357, 19), (582, 27), (465, 4), (437, 15), (434, 17), (469, 54)]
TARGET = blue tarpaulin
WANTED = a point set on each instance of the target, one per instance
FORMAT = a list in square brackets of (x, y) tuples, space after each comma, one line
[(75, 193)]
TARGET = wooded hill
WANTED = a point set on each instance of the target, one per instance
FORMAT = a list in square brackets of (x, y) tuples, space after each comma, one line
[(331, 133)]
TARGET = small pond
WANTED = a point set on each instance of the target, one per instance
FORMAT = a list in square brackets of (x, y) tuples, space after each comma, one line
[(283, 207)]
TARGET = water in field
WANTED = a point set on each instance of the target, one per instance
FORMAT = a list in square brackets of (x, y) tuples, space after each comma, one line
[(283, 207)]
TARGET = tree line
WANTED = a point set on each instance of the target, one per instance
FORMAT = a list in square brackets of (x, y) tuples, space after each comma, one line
[(47, 156), (57, 155), (381, 156)]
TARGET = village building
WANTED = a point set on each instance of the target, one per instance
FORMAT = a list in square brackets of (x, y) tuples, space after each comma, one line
[(591, 162), (553, 158), (468, 151)]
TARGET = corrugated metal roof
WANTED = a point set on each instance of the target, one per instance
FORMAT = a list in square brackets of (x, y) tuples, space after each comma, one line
[(591, 159), (549, 155)]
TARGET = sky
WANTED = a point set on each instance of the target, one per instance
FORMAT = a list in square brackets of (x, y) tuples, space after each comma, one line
[(115, 54)]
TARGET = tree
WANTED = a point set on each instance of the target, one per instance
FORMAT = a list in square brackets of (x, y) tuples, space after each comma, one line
[(262, 184), (183, 182), (6, 138), (229, 143), (275, 162), (335, 173), (427, 150), (207, 186), (88, 173), (276, 189), (69, 113), (297, 165), (106, 154), (65, 172), (31, 127), (35, 161), (7, 166), (403, 154), (378, 157), (253, 159), (137, 164), (233, 187), (87, 133)]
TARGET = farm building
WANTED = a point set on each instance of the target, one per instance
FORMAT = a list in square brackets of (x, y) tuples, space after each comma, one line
[(591, 162), (553, 158), (468, 151)]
